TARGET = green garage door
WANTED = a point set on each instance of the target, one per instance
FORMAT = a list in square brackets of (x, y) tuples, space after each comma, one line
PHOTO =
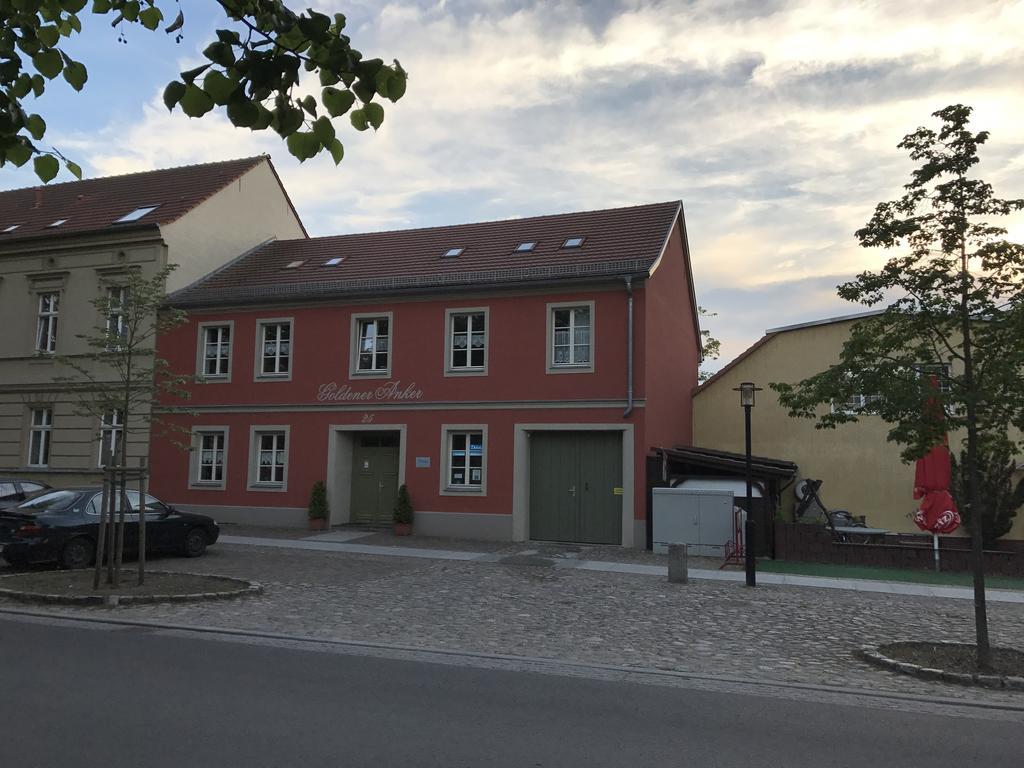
[(575, 487)]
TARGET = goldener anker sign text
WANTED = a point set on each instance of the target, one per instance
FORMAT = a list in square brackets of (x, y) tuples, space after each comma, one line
[(332, 392)]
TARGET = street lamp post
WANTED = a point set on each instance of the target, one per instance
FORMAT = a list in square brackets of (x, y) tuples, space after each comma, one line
[(747, 390)]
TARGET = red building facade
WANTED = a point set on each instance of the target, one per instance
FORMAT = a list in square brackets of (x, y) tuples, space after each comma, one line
[(512, 374)]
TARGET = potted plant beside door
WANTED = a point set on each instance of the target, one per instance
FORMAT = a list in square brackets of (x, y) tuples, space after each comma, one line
[(403, 513), (318, 506)]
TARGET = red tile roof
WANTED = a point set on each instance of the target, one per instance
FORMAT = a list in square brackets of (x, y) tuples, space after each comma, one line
[(616, 241), (94, 205)]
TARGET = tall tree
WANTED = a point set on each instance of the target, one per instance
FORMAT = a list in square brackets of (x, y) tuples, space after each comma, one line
[(253, 72), (118, 380), (710, 347), (955, 315)]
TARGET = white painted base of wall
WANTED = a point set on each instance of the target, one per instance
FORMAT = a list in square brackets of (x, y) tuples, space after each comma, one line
[(268, 517)]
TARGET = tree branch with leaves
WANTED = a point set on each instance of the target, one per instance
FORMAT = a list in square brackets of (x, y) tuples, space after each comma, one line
[(253, 72)]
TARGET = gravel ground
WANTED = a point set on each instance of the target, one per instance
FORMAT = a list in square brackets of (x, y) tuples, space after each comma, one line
[(772, 633)]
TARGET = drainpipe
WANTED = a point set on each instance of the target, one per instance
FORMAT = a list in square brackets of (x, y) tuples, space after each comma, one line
[(629, 348)]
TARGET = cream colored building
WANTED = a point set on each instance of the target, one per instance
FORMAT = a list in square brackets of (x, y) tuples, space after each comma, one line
[(861, 471), (63, 245)]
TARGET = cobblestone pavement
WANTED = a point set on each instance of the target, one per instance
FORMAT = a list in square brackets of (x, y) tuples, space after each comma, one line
[(789, 634)]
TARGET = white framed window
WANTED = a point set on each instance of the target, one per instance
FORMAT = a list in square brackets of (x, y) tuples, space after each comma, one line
[(464, 450), (268, 461), (570, 335), (941, 372), (854, 403), (111, 434), (466, 341), (215, 350), (117, 296), (274, 349), (209, 457), (46, 323), (371, 345), (41, 424)]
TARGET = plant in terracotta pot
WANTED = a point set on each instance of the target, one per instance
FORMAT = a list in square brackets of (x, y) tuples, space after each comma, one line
[(403, 513), (318, 506)]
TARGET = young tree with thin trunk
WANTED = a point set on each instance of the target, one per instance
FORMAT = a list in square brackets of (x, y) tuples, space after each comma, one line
[(118, 381), (956, 317)]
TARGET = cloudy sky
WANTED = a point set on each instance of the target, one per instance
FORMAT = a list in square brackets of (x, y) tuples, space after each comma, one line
[(775, 123)]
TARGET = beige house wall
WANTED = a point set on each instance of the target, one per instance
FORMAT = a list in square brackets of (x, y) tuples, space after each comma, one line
[(861, 471), (249, 211)]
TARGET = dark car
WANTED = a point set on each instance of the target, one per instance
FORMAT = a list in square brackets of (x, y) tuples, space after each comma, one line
[(14, 490), (63, 526)]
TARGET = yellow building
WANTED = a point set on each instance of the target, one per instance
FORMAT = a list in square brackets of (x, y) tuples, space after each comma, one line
[(861, 471)]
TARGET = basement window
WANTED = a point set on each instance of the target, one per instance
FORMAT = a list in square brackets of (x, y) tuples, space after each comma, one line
[(451, 253), (294, 264), (572, 242), (335, 261), (137, 214), (526, 247)]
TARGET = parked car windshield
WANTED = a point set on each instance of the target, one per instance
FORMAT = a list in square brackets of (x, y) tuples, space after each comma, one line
[(54, 500)]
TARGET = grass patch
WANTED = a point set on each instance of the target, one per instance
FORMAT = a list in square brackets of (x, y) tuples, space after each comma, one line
[(944, 578)]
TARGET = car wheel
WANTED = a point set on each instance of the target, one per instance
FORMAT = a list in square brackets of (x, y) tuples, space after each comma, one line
[(77, 553), (195, 542)]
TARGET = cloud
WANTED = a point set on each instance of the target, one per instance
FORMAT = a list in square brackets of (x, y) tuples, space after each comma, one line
[(775, 122)]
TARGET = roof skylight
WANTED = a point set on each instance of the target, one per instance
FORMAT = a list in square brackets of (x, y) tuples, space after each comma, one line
[(572, 242), (453, 252), (137, 214), (334, 261), (294, 264), (57, 223), (12, 227), (528, 246)]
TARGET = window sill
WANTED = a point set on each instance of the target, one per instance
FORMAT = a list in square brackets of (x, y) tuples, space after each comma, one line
[(370, 374), (273, 377), (465, 371), (588, 368), (199, 486), (223, 379), (477, 491), (273, 487)]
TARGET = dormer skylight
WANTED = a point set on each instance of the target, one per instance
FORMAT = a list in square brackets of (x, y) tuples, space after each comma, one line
[(11, 228), (572, 242), (57, 223), (294, 264), (526, 247), (334, 261), (137, 214), (451, 253)]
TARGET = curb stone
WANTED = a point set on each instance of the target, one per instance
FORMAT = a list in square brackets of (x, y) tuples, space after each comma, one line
[(113, 600), (872, 655)]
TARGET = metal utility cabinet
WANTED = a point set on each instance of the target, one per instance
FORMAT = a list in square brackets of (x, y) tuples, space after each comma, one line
[(703, 519)]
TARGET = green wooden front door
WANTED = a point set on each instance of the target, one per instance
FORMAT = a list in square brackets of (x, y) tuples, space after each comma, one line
[(575, 487), (374, 477)]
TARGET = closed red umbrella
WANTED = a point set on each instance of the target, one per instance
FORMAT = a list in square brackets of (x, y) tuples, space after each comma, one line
[(938, 513)]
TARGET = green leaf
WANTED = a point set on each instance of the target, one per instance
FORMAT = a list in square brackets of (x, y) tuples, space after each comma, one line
[(374, 114), (308, 103), (265, 119), (48, 63), (337, 102), (73, 6), (48, 35), (327, 77), (396, 85), (151, 17), (358, 119), (364, 90), (74, 168), (242, 112), (21, 86), (323, 129), (337, 151), (189, 76), (195, 102), (76, 75), (303, 145), (36, 126), (38, 85), (46, 167), (381, 79), (19, 152), (101, 6), (173, 93), (219, 87), (220, 53), (287, 120)]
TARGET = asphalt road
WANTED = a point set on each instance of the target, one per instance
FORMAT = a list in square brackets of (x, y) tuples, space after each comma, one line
[(99, 695)]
